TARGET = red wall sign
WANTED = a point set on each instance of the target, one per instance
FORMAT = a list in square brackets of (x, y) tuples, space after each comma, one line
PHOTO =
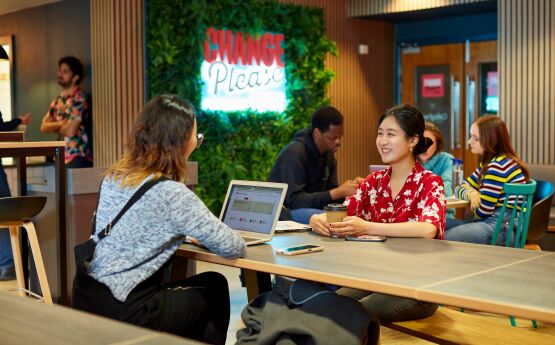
[(243, 71), (245, 49), (433, 85)]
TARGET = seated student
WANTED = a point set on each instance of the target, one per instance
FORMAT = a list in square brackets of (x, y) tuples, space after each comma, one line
[(403, 201), (309, 167), (438, 161), (129, 263), (489, 138)]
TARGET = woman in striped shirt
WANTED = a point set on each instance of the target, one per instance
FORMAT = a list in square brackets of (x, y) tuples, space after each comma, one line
[(490, 140)]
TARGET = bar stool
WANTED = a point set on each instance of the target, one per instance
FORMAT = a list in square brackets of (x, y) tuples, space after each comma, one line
[(16, 213)]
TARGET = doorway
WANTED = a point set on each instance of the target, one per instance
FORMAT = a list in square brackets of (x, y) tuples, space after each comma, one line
[(452, 85)]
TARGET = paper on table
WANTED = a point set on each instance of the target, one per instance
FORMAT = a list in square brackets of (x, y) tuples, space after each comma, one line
[(289, 225)]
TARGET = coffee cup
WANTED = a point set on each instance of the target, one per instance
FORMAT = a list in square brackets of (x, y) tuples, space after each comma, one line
[(335, 212)]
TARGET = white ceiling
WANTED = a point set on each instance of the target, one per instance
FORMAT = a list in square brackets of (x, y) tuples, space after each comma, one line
[(7, 6)]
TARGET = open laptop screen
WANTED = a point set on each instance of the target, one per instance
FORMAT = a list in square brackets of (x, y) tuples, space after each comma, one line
[(252, 208)]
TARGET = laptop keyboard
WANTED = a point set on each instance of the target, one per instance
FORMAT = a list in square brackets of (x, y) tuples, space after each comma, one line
[(250, 239)]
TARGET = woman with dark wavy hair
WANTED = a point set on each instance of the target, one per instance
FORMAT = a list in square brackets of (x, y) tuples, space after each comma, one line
[(130, 264), (499, 164), (402, 201)]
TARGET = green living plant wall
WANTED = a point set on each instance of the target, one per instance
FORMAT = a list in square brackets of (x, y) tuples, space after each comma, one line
[(238, 145)]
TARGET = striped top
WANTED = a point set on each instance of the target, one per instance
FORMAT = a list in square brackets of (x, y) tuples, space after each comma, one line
[(500, 170)]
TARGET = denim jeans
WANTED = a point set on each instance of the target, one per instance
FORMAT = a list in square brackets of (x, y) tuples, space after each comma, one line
[(480, 231), (6, 256), (390, 308), (302, 215)]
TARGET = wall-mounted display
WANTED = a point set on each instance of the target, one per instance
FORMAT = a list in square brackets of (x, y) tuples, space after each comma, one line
[(488, 97)]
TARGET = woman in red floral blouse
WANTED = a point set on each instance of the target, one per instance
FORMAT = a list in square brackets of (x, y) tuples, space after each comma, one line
[(402, 201)]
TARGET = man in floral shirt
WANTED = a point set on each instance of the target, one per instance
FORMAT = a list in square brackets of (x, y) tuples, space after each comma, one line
[(69, 115)]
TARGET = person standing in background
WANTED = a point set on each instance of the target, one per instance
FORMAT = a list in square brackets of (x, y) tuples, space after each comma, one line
[(438, 161), (7, 270), (69, 115)]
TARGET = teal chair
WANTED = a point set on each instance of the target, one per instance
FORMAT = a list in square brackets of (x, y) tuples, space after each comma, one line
[(522, 210), (524, 194)]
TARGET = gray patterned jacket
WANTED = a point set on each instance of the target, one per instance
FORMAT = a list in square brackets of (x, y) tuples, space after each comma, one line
[(150, 232)]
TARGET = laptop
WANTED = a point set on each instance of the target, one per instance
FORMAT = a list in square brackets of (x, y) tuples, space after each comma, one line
[(377, 167), (252, 209)]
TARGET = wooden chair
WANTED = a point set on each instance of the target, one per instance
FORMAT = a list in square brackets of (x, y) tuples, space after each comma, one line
[(522, 210), (16, 213)]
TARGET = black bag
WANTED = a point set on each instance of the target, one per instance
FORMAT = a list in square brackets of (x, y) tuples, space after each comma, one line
[(303, 312), (84, 252)]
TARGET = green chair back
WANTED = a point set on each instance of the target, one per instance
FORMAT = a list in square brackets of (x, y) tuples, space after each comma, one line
[(523, 193)]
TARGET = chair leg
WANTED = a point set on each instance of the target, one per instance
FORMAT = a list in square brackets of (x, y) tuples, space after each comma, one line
[(16, 249), (532, 246), (39, 264), (513, 321)]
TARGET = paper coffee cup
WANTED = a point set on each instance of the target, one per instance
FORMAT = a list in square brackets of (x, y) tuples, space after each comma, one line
[(335, 212)]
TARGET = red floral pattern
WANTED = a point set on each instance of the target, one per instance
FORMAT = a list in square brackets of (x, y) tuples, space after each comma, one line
[(421, 199)]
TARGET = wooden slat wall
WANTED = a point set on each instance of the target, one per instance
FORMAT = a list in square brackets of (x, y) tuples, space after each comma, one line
[(526, 53), (363, 85), (117, 74), (360, 8)]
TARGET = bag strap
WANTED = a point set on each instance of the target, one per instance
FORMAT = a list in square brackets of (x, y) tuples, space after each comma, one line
[(134, 198)]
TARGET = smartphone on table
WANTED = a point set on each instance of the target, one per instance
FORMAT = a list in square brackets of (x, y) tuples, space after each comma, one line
[(366, 238), (301, 249)]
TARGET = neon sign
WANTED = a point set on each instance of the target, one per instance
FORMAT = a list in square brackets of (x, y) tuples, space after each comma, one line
[(242, 72)]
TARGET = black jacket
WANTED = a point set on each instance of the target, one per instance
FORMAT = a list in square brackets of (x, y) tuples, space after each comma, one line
[(10, 125), (309, 174)]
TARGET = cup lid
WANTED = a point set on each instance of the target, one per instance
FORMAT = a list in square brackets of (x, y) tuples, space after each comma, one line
[(335, 207)]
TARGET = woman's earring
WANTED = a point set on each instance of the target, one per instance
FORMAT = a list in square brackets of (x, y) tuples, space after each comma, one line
[(411, 148)]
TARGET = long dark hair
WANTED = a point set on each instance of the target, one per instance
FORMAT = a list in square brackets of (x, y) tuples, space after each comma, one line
[(157, 142), (495, 140), (430, 126), (411, 122)]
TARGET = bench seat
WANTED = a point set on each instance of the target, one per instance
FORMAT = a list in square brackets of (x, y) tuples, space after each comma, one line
[(449, 326), (545, 172)]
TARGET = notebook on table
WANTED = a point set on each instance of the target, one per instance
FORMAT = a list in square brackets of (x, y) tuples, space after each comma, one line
[(252, 208), (291, 226)]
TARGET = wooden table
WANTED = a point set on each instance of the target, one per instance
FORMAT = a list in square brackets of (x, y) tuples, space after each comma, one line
[(501, 280), (27, 321), (21, 150), (457, 203)]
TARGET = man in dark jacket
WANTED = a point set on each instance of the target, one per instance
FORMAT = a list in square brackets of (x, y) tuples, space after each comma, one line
[(309, 167)]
